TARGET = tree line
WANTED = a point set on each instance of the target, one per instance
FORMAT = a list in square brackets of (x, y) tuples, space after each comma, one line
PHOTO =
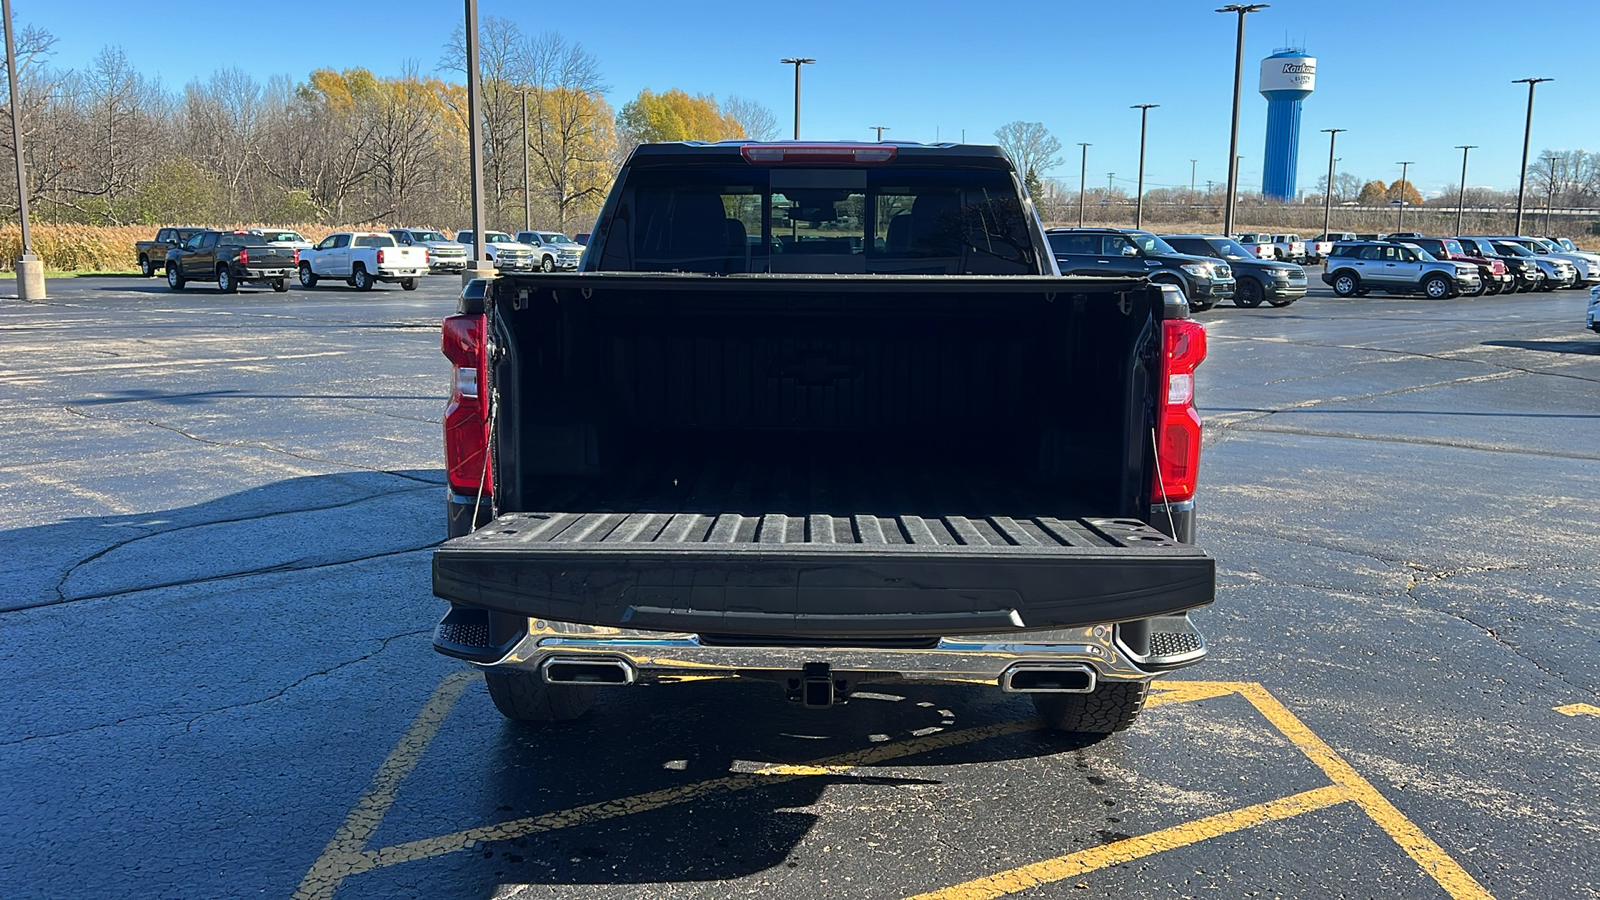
[(108, 145)]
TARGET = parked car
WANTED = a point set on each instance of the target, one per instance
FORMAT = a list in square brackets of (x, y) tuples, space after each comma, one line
[(508, 255), (1594, 309), (1109, 253), (552, 249), (230, 258), (444, 255), (283, 238), (1259, 244), (1203, 280), (1288, 247), (1493, 276), (153, 254), (1585, 266), (361, 259), (1334, 237), (1524, 269), (1565, 244), (1558, 272), (606, 532), (1277, 283), (1359, 267)]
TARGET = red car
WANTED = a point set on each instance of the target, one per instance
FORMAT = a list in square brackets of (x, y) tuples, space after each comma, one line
[(1495, 277)]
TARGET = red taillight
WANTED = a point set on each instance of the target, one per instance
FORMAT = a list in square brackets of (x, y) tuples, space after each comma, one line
[(816, 153), (1177, 422), (297, 256), (466, 418), (244, 256), (380, 256)]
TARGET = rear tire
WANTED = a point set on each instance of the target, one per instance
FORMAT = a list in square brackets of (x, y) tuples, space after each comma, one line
[(360, 279), (525, 697), (225, 282), (1249, 293), (408, 284), (308, 278), (146, 268), (1112, 707)]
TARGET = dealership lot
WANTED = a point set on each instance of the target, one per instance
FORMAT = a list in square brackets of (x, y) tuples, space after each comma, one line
[(215, 570)]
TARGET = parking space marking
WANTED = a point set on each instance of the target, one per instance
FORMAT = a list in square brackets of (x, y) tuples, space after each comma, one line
[(1579, 709), (1130, 849), (1348, 785), (347, 854)]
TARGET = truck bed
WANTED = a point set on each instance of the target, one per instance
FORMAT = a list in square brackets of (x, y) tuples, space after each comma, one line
[(892, 549)]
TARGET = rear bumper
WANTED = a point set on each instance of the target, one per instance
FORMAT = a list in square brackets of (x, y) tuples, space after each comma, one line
[(401, 274), (655, 657)]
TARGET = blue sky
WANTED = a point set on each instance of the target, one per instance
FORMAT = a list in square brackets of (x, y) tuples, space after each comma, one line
[(1409, 80)]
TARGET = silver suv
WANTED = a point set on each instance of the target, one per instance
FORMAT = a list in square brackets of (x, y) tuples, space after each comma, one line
[(1357, 268)]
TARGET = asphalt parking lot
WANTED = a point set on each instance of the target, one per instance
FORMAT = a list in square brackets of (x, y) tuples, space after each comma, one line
[(215, 609)]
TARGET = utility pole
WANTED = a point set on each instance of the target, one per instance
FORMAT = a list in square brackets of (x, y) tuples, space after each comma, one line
[(30, 271), (797, 62), (1109, 176), (1242, 10), (1083, 174), (479, 266), (1327, 195), (1527, 133), (1400, 224), (880, 129), (1192, 164), (1144, 117), (1461, 198), (1550, 195), (527, 202)]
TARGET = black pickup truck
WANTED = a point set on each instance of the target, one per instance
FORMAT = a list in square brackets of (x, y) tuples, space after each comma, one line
[(822, 415), (230, 258)]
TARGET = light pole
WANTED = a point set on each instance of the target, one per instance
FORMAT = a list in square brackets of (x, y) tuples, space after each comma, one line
[(1144, 117), (880, 129), (1400, 223), (1242, 9), (1192, 164), (30, 271), (797, 62), (479, 266), (1527, 132), (1327, 194), (1461, 198), (1083, 174), (527, 203), (1550, 194)]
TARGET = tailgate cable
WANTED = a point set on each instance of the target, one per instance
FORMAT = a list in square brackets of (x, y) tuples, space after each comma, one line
[(1160, 482), (494, 398)]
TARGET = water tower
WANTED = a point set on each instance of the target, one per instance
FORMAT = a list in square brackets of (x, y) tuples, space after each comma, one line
[(1287, 78)]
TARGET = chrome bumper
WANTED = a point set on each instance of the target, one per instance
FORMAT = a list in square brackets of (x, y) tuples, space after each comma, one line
[(974, 659)]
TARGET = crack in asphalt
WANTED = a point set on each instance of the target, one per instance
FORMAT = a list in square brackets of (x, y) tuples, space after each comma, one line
[(162, 718), (60, 585), (257, 445)]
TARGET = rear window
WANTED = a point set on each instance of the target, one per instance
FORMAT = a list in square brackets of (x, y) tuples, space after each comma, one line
[(374, 240), (243, 240), (845, 221)]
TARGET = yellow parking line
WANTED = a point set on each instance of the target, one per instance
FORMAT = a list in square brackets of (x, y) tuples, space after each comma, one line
[(1429, 855), (673, 796), (333, 865), (1127, 850), (1579, 709)]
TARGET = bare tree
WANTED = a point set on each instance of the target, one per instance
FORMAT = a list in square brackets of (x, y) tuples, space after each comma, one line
[(758, 121), (572, 127), (1031, 146)]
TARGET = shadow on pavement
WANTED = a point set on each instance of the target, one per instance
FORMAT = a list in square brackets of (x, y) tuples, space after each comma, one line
[(1590, 347)]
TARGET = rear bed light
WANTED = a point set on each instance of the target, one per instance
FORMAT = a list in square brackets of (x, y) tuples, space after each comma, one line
[(466, 417), (1178, 425), (816, 153)]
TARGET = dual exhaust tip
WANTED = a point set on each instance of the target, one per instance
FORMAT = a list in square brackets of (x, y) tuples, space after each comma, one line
[(1048, 678), (584, 670)]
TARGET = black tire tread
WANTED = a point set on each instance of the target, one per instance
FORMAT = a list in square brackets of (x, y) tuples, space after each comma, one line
[(1112, 707), (525, 697)]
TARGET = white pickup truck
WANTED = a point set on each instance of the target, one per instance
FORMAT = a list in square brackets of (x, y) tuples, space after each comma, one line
[(362, 259), (1289, 247), (507, 254)]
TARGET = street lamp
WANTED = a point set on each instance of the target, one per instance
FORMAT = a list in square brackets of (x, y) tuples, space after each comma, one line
[(797, 62), (1400, 224), (1461, 199), (880, 129), (1550, 194), (1144, 116), (1242, 9), (30, 271), (1527, 132), (1327, 194), (478, 266), (1083, 173)]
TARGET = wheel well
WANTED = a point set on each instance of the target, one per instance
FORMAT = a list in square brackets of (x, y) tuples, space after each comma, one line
[(1351, 272)]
